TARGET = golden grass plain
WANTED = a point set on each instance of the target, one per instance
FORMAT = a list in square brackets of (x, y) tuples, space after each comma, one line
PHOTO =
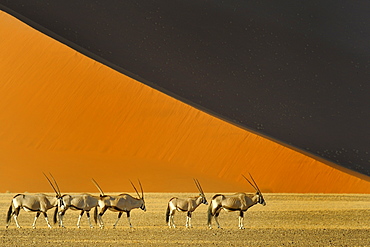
[(287, 219)]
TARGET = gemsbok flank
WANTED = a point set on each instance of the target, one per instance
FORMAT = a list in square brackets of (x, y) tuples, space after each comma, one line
[(39, 203), (238, 202), (83, 203), (121, 203), (185, 205)]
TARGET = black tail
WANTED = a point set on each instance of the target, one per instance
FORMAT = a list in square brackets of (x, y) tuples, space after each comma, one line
[(168, 213), (55, 215), (96, 215), (209, 213), (9, 214)]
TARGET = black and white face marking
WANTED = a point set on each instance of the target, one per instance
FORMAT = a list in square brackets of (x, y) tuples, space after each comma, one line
[(204, 199), (261, 200), (142, 207)]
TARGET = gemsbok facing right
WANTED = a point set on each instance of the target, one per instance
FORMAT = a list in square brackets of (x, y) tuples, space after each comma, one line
[(39, 203), (121, 203), (83, 203), (185, 205), (237, 202)]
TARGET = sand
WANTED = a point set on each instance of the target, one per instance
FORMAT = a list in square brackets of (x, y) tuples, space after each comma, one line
[(287, 219)]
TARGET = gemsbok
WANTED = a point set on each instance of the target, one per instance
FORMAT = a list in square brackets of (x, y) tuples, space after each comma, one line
[(121, 203), (39, 203), (185, 205), (83, 203), (238, 202)]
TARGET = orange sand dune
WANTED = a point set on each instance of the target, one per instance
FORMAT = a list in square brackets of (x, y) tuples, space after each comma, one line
[(64, 113)]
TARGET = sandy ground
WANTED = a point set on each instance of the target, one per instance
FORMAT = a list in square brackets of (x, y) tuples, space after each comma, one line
[(287, 219)]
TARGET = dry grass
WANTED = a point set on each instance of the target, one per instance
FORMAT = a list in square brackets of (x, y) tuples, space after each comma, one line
[(287, 219)]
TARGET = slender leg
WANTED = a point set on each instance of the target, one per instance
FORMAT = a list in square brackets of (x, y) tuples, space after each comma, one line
[(46, 219), (100, 217), (128, 218), (169, 220), (210, 222), (61, 216), (118, 218), (15, 215), (241, 219), (216, 219), (34, 222), (88, 218), (188, 220), (79, 219), (172, 220)]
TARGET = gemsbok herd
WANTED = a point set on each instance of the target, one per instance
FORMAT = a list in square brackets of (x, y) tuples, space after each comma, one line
[(41, 203)]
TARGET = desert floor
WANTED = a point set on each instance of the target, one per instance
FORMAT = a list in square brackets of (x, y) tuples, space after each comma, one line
[(287, 219)]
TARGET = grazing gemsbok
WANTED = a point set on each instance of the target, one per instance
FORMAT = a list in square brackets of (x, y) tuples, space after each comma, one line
[(39, 203), (83, 203), (185, 205), (238, 202), (121, 203)]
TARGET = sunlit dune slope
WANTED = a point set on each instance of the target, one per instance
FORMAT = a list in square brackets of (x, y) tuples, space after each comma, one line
[(64, 113)]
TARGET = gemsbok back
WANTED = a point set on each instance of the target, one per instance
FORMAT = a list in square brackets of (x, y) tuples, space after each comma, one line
[(39, 203), (83, 203), (121, 203), (238, 202), (185, 205)]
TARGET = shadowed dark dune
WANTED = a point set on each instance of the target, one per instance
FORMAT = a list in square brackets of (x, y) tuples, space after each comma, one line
[(66, 113), (295, 71)]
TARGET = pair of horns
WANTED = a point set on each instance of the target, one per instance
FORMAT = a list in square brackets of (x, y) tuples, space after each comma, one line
[(198, 186), (56, 187), (141, 188), (255, 186)]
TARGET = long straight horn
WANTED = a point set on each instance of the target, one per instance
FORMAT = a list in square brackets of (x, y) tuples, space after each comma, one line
[(254, 187), (141, 188), (56, 184), (198, 186), (98, 187), (51, 184), (135, 189), (255, 183)]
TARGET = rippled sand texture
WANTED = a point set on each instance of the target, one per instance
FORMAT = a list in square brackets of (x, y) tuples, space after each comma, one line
[(65, 113), (287, 219)]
